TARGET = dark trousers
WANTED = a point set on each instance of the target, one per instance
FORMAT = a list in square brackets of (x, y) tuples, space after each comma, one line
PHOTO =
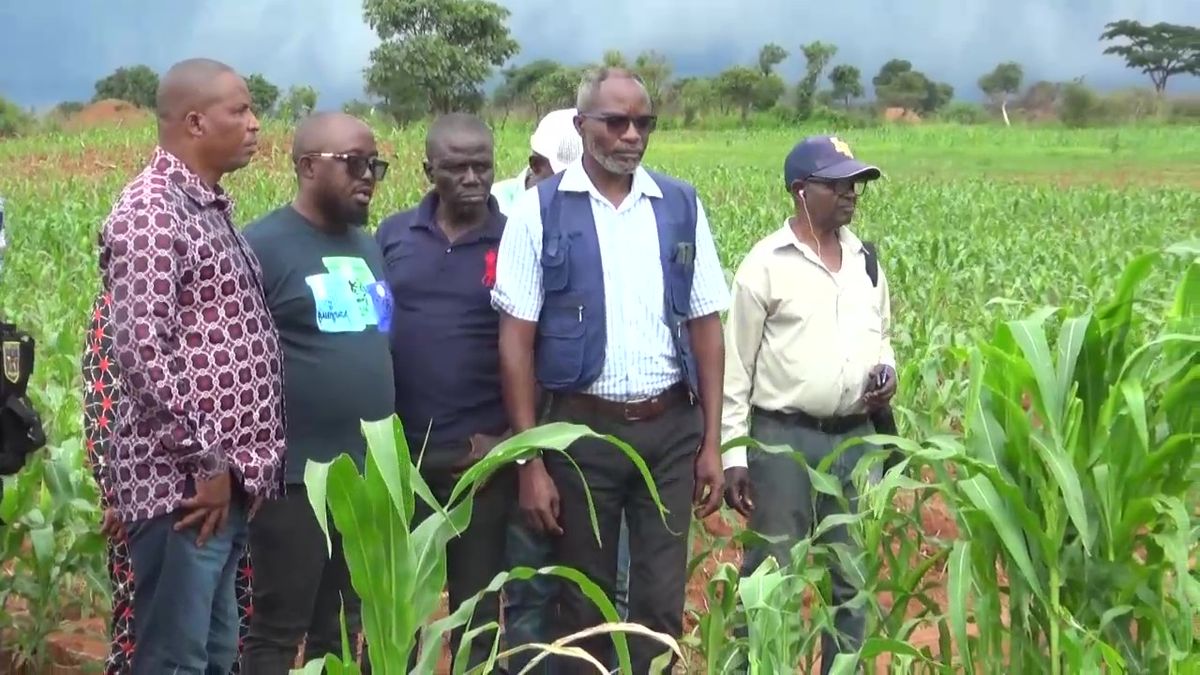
[(788, 507), (477, 555), (184, 600), (299, 588), (657, 556)]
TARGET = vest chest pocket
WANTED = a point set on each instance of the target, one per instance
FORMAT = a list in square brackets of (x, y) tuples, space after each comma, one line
[(679, 286), (560, 341), (556, 263)]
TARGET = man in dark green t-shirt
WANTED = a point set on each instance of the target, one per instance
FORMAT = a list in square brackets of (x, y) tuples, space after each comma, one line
[(323, 279)]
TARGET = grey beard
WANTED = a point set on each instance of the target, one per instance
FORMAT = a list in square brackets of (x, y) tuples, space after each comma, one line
[(610, 164)]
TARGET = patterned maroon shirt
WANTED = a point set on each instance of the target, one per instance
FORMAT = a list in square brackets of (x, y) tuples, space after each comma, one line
[(201, 368)]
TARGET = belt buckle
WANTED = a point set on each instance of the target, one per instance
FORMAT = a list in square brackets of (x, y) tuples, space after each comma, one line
[(627, 415)]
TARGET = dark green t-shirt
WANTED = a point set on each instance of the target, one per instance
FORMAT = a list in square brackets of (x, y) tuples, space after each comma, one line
[(332, 318)]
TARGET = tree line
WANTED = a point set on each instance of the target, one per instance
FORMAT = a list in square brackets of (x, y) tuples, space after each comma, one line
[(434, 56)]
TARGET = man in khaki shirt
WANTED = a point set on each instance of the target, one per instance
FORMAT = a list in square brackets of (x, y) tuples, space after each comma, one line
[(807, 358)]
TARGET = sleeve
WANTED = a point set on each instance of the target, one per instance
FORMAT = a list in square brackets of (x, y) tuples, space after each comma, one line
[(743, 338), (518, 289), (146, 267), (887, 355), (710, 293)]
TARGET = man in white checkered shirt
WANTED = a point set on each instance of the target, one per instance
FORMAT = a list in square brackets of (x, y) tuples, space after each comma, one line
[(620, 325)]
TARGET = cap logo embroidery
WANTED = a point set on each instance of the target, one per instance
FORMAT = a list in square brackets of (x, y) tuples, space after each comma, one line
[(841, 147)]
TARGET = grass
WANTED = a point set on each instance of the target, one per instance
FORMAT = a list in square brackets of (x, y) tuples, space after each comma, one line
[(975, 225)]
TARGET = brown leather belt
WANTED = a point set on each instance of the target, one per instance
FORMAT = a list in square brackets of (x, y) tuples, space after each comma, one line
[(638, 410), (826, 425)]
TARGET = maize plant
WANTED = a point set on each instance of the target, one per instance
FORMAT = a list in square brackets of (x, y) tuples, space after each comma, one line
[(398, 567)]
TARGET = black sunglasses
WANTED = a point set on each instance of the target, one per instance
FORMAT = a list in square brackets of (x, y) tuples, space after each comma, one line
[(357, 165), (617, 124), (844, 186)]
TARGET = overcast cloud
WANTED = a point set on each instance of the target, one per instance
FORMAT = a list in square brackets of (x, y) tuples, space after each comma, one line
[(54, 50)]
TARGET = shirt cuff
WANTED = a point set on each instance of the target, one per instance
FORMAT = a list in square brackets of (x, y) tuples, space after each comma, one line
[(734, 458), (503, 303)]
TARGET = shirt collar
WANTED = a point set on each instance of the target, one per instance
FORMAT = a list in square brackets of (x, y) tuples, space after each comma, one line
[(785, 236), (575, 179), (426, 218), (170, 166)]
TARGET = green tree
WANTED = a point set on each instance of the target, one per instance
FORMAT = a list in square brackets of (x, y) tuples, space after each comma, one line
[(655, 71), (1001, 83), (136, 84), (298, 103), (614, 58), (263, 94), (847, 83), (1079, 104), (769, 56), (937, 96), (817, 56), (899, 86), (556, 90), (767, 91), (441, 49), (14, 121), (889, 71), (695, 95), (1160, 50), (736, 88), (520, 80)]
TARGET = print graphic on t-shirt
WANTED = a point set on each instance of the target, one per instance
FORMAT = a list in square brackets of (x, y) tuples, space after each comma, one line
[(381, 297), (337, 305), (358, 275)]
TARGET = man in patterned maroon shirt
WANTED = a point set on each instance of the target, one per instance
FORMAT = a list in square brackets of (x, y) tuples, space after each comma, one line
[(199, 428)]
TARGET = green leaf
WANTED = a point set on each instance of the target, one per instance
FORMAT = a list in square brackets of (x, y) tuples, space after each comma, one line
[(959, 583), (982, 494)]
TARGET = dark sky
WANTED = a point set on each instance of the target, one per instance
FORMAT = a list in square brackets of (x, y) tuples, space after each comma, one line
[(55, 50)]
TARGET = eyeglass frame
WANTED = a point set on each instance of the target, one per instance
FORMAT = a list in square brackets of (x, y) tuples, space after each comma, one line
[(369, 163), (834, 185), (613, 122)]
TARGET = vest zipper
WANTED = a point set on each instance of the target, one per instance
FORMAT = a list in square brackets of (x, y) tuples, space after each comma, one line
[(581, 314)]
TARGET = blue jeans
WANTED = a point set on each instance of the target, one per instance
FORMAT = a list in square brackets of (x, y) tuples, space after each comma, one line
[(528, 602), (184, 600)]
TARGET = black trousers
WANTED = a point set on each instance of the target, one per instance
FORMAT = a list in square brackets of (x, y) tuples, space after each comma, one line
[(476, 556), (298, 588), (657, 556)]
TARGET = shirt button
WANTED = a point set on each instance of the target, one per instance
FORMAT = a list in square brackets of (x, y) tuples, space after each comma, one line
[(449, 249)]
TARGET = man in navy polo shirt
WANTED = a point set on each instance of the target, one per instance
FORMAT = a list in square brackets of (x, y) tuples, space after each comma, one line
[(440, 260), (609, 289)]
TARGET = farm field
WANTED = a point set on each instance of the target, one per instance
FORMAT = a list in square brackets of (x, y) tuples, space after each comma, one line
[(975, 225)]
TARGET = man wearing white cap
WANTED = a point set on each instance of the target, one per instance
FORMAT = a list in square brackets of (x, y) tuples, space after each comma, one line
[(554, 144)]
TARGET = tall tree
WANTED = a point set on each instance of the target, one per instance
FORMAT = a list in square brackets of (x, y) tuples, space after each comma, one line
[(1001, 83), (519, 81), (694, 95), (263, 94), (1160, 50), (655, 71), (769, 56), (899, 86), (847, 83), (137, 85), (889, 71), (443, 49), (555, 90), (299, 103), (736, 88), (817, 56)]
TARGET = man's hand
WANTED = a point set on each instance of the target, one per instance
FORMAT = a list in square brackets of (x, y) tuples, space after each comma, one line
[(875, 394), (737, 490), (209, 509), (539, 498), (111, 526), (710, 481)]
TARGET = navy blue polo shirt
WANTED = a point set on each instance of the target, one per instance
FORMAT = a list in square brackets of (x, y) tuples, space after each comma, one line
[(444, 333)]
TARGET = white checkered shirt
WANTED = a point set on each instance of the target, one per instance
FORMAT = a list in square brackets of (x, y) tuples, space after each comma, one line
[(640, 355)]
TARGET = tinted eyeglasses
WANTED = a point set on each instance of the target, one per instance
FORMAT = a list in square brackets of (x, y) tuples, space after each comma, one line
[(617, 124), (357, 165), (843, 187)]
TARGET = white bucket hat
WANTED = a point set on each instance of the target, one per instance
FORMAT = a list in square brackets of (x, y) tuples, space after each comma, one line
[(557, 140)]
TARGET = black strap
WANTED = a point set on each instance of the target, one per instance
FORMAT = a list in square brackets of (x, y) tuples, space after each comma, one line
[(872, 263)]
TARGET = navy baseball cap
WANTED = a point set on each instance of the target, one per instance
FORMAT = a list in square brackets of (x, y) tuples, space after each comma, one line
[(825, 157)]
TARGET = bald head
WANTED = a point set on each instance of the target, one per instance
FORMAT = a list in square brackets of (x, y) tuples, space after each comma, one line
[(455, 128), (188, 86), (205, 117), (328, 132)]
